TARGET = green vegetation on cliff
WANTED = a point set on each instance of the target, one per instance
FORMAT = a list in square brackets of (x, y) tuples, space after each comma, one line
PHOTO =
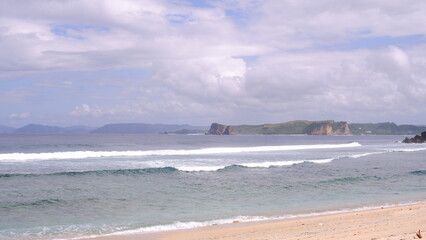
[(386, 128), (329, 127), (295, 127)]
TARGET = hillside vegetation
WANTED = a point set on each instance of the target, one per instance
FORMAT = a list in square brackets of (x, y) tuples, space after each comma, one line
[(295, 127), (386, 128)]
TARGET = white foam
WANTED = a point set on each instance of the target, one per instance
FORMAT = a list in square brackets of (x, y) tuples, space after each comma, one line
[(266, 164), (320, 161), (23, 157), (406, 149), (240, 219), (364, 154), (199, 168), (269, 164)]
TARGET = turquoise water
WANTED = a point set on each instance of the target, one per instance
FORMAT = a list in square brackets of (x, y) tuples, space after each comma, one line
[(55, 186)]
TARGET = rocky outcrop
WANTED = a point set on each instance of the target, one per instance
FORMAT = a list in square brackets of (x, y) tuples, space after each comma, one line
[(417, 139), (328, 128), (220, 129)]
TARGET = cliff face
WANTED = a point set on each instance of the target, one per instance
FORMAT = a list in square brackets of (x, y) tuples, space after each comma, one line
[(322, 130), (329, 128), (220, 129)]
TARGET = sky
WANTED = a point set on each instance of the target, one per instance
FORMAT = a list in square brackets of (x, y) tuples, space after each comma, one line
[(79, 62)]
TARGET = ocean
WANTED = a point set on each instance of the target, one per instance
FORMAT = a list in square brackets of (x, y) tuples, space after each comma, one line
[(74, 186)]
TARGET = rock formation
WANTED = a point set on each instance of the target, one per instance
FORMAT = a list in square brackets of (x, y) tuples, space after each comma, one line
[(220, 129), (417, 139), (328, 128)]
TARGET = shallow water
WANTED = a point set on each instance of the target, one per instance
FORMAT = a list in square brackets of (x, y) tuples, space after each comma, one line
[(56, 186)]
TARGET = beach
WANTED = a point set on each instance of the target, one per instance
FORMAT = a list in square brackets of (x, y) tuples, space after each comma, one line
[(208, 187), (383, 223)]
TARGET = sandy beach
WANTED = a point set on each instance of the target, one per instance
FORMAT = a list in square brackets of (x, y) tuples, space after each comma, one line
[(393, 223)]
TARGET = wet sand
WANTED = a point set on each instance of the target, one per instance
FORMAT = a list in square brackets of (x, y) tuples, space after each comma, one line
[(394, 223)]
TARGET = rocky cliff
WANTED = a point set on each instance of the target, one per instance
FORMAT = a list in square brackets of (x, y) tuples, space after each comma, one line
[(417, 139), (220, 129), (328, 128)]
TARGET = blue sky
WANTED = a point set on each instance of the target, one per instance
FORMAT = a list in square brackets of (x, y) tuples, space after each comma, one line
[(196, 62)]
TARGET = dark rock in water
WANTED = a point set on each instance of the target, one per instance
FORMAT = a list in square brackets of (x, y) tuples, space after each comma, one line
[(417, 139), (220, 129)]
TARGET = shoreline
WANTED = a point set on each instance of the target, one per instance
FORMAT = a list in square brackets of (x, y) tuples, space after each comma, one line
[(398, 221)]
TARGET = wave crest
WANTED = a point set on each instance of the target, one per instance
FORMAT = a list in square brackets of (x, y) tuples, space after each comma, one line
[(24, 157)]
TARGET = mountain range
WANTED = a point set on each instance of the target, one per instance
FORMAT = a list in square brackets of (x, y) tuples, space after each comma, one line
[(120, 128), (293, 127)]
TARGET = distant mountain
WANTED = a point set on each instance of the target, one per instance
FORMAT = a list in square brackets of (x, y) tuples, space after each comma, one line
[(39, 129), (6, 129), (142, 128), (385, 128), (44, 129), (327, 127)]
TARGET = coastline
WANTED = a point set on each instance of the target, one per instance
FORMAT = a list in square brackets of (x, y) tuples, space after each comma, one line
[(395, 222)]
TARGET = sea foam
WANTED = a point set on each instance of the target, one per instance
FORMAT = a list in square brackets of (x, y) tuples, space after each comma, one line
[(23, 157), (239, 219), (269, 164)]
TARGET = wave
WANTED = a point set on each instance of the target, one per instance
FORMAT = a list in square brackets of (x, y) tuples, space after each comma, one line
[(420, 172), (283, 163), (23, 157), (165, 169), (27, 204), (201, 168), (406, 149), (170, 169), (350, 179), (98, 172), (364, 154), (387, 151), (239, 219)]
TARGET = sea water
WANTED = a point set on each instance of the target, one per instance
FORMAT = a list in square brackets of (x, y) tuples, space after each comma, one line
[(71, 186)]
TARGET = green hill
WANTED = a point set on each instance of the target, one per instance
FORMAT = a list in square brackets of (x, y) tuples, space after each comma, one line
[(329, 127), (385, 128), (326, 127)]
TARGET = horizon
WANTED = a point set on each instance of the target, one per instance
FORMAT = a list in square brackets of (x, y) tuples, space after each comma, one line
[(208, 125), (90, 63)]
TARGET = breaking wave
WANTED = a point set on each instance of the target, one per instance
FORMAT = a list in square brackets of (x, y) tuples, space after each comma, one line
[(24, 157), (172, 169)]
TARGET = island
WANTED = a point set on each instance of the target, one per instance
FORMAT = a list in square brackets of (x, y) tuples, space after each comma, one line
[(324, 127), (327, 127)]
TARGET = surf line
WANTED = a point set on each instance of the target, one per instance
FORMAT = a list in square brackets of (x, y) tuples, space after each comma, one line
[(23, 157)]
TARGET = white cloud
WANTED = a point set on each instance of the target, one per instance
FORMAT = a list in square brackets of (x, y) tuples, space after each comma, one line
[(278, 59), (86, 110), (203, 78), (23, 115)]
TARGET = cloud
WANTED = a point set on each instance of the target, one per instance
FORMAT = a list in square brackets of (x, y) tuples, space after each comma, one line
[(86, 110), (240, 60), (214, 77), (23, 115)]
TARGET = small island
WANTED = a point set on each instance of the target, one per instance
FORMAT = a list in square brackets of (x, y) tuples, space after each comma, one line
[(327, 127)]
